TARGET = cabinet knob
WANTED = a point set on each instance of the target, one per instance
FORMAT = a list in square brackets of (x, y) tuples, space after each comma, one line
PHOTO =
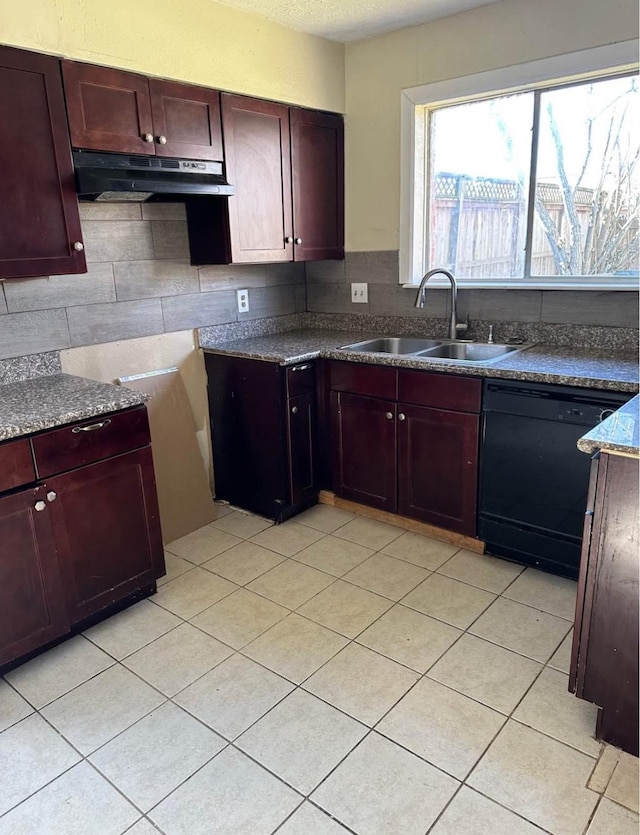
[(39, 506), (401, 416), (162, 140), (298, 240), (288, 240), (294, 410), (51, 496), (148, 137), (78, 246), (389, 416)]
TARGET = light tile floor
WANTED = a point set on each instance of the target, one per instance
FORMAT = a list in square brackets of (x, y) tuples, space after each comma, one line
[(330, 675)]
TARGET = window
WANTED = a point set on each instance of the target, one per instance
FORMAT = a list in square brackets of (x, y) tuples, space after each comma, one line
[(532, 185)]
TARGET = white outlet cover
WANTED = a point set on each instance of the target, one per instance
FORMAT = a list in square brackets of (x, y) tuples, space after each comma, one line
[(242, 299), (360, 293)]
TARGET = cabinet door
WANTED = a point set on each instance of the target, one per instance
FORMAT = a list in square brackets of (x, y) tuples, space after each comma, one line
[(364, 441), (109, 110), (107, 531), (32, 610), (258, 163), (39, 219), (188, 118), (317, 173), (438, 467), (301, 431)]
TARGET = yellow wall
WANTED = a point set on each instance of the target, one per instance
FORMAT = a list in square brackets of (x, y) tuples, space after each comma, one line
[(502, 34), (200, 41)]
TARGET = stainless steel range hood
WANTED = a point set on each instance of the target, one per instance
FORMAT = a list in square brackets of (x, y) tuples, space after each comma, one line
[(121, 177)]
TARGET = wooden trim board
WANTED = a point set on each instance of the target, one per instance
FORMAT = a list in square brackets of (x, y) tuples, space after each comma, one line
[(477, 546)]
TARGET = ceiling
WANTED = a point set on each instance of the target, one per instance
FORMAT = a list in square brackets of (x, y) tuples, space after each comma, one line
[(351, 20)]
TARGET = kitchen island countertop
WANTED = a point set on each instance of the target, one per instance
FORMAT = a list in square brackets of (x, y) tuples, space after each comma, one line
[(620, 432)]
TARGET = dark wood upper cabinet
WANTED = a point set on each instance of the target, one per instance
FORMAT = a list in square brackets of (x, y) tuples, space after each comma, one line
[(287, 167), (39, 219), (258, 163), (113, 110), (109, 110), (317, 173)]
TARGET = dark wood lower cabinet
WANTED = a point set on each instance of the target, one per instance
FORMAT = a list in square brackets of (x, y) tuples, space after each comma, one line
[(106, 527), (264, 452), (32, 604), (604, 661), (438, 467), (364, 439)]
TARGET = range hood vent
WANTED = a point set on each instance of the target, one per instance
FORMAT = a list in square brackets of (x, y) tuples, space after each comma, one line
[(120, 177)]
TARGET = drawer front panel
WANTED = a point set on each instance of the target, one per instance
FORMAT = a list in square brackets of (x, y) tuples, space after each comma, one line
[(91, 440), (372, 380), (440, 391), (301, 379), (16, 465)]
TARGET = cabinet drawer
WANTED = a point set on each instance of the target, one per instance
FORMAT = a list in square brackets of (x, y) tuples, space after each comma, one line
[(441, 391), (91, 440), (301, 379), (372, 380), (16, 465)]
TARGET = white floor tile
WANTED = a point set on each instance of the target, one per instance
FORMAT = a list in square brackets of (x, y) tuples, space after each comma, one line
[(345, 608), (387, 576), (309, 820), (13, 707), (291, 583), (243, 563), (234, 695), (322, 517), (231, 795), (369, 532), (333, 555), (420, 550), (540, 779), (301, 740), (95, 712), (561, 658), (485, 572), (381, 789), (469, 813), (58, 670), (175, 567), (202, 545), (455, 603), (555, 595), (124, 633), (244, 525), (193, 592), (623, 786), (611, 819), (239, 618), (287, 539), (31, 755), (157, 754), (77, 803)]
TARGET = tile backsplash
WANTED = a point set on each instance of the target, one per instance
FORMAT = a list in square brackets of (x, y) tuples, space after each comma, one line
[(139, 283)]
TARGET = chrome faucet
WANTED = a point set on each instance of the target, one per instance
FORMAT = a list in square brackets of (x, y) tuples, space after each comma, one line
[(455, 327)]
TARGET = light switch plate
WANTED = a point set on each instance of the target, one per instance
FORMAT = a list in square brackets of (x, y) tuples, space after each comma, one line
[(242, 297), (360, 293)]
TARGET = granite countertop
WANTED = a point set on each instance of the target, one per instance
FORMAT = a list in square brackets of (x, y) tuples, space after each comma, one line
[(587, 368), (44, 402), (618, 433)]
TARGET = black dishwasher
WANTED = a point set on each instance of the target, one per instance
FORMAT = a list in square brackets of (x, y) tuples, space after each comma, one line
[(534, 480)]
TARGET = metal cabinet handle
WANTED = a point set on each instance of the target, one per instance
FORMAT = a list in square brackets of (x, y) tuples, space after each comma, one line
[(52, 496), (78, 246), (298, 240), (300, 367), (148, 137), (288, 239), (401, 416), (389, 416), (162, 140), (92, 427), (40, 506), (294, 410)]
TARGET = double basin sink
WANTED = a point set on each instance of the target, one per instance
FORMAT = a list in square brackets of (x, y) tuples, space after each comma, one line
[(433, 349)]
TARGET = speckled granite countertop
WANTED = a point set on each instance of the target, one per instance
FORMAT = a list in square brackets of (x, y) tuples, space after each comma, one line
[(587, 368), (44, 402), (618, 433)]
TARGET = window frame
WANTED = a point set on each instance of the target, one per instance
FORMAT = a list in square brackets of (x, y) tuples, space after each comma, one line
[(571, 68)]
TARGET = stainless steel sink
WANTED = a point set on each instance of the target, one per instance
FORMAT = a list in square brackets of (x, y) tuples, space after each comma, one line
[(394, 345), (469, 352)]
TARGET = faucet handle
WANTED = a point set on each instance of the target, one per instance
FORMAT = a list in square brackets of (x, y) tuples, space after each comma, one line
[(462, 327)]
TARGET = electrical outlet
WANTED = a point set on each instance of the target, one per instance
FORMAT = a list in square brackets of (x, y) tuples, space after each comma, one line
[(360, 293), (242, 297)]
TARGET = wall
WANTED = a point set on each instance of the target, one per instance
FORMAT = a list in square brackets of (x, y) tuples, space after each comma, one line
[(499, 35), (200, 41)]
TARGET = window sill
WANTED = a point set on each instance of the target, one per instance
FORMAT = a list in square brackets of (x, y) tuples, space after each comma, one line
[(502, 284)]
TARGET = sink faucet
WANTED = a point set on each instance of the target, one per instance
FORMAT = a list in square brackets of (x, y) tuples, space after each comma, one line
[(455, 327)]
